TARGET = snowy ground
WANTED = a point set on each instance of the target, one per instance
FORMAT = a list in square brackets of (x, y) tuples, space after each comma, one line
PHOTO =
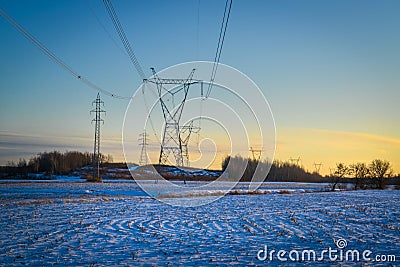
[(85, 224)]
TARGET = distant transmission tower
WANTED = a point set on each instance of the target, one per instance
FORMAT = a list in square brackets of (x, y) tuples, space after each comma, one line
[(96, 152), (171, 144), (294, 161), (256, 153), (185, 132), (143, 143), (317, 167)]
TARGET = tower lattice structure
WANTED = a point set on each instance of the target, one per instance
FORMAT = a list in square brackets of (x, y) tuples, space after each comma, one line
[(172, 145), (143, 139), (98, 111)]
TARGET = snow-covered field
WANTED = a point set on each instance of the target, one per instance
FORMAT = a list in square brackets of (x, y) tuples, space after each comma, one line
[(117, 224)]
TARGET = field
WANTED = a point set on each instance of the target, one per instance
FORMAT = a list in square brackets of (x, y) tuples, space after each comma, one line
[(115, 223)]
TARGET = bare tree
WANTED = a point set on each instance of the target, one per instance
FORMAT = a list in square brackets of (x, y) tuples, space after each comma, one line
[(360, 173), (339, 173), (379, 170)]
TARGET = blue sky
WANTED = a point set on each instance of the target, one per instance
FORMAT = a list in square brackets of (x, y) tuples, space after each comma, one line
[(323, 65)]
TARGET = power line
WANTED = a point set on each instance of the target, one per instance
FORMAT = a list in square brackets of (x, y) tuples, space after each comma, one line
[(118, 27), (198, 30), (106, 31), (221, 39), (66, 67), (56, 59)]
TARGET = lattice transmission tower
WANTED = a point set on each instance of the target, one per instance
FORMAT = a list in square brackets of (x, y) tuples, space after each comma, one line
[(143, 139), (317, 167), (294, 161), (256, 153), (172, 144), (185, 132), (98, 121)]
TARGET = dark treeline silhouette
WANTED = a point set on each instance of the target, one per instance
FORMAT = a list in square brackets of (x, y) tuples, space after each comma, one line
[(51, 163), (376, 175), (280, 171)]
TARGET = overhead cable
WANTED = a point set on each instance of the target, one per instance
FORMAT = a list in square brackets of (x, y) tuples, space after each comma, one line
[(121, 33), (224, 25), (56, 59)]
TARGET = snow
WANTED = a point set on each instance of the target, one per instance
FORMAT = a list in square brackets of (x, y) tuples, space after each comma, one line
[(133, 167), (41, 178), (113, 224)]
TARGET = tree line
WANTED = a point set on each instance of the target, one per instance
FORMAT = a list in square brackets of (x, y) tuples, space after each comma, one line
[(280, 171), (54, 162), (363, 176)]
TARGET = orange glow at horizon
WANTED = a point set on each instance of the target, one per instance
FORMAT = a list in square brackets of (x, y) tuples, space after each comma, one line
[(312, 146), (330, 147)]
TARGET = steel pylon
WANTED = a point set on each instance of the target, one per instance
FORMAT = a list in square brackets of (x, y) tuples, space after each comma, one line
[(172, 144)]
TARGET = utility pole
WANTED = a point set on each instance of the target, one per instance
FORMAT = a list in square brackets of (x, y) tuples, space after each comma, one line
[(172, 140), (96, 151), (143, 143)]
